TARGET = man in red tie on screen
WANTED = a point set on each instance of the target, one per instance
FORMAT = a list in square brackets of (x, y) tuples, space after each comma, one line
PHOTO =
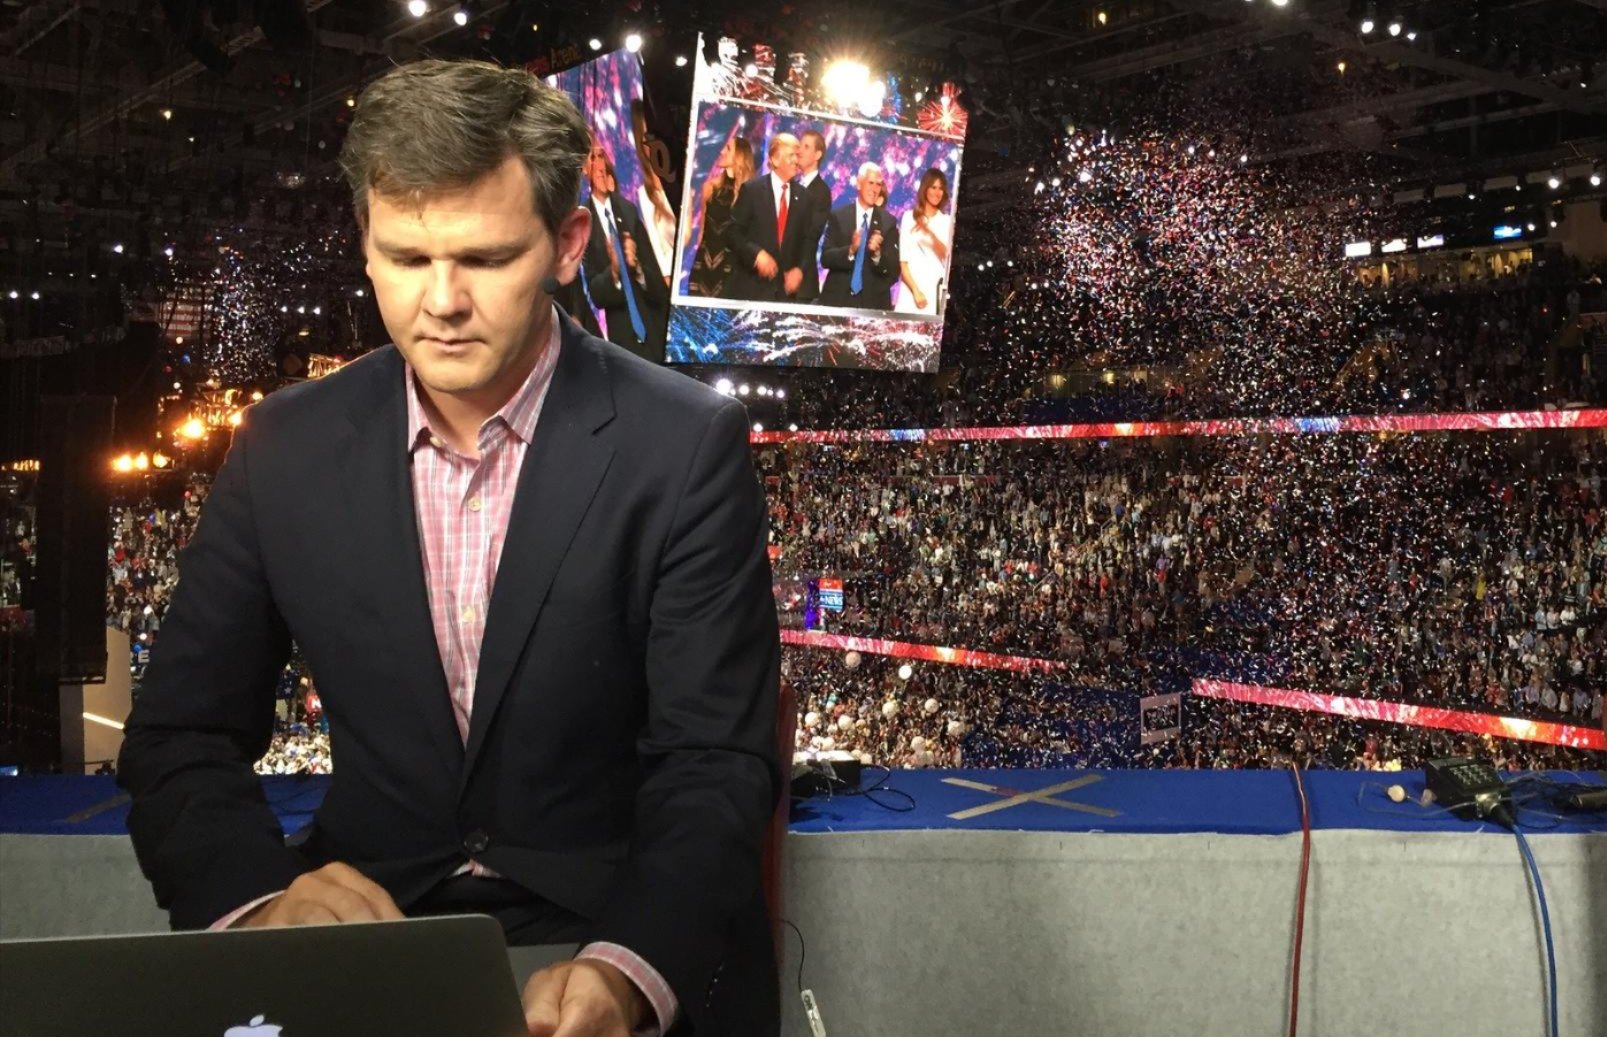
[(770, 223), (528, 571)]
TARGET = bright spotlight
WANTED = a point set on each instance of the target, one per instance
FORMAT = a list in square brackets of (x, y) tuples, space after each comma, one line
[(723, 386), (1553, 181), (758, 426), (461, 17), (845, 81), (417, 8), (1395, 28), (594, 43), (870, 101), (633, 42), (1280, 3), (1411, 37), (680, 61), (1595, 180), (744, 389), (123, 464), (167, 113), (1367, 26)]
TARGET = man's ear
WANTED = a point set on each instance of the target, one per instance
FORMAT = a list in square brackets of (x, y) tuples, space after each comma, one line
[(573, 234)]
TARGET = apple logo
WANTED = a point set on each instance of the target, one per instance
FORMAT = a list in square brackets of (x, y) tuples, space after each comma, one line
[(257, 1028)]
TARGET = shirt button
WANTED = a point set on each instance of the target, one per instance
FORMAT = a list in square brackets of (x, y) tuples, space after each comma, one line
[(476, 842), (475, 504), (467, 615), (437, 442)]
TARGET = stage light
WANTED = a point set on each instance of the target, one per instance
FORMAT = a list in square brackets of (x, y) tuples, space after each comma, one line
[(1411, 37), (871, 100), (461, 17), (159, 460), (633, 42), (417, 8), (758, 426), (12, 294), (744, 389), (192, 429), (594, 43), (845, 81), (1280, 3), (351, 102), (1395, 28), (1553, 224), (167, 113), (118, 248), (792, 427), (723, 386), (1554, 181), (141, 462), (1101, 18), (1341, 66), (680, 61), (168, 252), (34, 296), (361, 293), (781, 394), (1367, 26), (1595, 178), (235, 419), (1243, 158), (123, 464)]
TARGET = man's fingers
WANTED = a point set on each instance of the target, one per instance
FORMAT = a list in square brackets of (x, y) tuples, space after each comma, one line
[(381, 906), (543, 1000)]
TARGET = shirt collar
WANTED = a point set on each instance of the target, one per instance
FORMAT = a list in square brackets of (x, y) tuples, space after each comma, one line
[(808, 178), (519, 414), (776, 184)]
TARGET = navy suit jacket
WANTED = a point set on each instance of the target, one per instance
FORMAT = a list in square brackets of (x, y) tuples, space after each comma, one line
[(621, 760), (753, 229), (652, 294), (876, 290)]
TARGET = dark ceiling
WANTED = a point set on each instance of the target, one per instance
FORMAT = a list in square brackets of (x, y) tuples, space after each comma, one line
[(140, 109)]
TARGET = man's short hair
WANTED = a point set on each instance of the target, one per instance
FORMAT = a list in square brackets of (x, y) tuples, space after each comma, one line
[(816, 136), (780, 141), (437, 125), (866, 167)]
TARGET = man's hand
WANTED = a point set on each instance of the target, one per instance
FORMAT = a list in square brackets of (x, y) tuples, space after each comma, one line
[(793, 279), (334, 893), (765, 264), (875, 242), (853, 243), (630, 251), (584, 998)]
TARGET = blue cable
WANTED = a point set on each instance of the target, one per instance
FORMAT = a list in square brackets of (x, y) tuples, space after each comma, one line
[(1545, 922)]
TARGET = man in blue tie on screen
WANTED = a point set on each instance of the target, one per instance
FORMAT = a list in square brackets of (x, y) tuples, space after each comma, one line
[(622, 274), (861, 251)]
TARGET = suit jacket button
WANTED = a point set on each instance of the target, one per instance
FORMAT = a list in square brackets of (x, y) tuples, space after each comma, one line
[(476, 842)]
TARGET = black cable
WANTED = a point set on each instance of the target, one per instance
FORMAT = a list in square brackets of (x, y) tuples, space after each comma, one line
[(802, 951), (869, 792)]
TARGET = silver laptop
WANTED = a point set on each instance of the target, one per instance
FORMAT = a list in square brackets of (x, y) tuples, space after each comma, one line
[(426, 977)]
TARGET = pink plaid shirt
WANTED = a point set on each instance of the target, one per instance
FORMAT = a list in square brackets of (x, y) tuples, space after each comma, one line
[(462, 507)]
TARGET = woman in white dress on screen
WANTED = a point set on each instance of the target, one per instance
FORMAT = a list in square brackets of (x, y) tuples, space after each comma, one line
[(925, 235)]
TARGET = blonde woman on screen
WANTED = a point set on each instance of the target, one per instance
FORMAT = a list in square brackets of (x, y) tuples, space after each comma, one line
[(715, 256), (925, 234)]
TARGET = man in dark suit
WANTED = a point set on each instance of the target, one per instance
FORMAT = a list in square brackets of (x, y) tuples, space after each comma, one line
[(769, 229), (636, 306), (528, 572), (816, 190), (861, 250)]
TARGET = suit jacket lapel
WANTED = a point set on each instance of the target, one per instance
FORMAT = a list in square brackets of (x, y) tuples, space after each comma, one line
[(384, 527), (563, 467)]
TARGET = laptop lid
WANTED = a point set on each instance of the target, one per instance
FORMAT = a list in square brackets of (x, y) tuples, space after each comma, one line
[(423, 977)]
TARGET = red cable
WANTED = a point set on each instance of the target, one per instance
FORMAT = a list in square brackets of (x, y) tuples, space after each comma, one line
[(1300, 909)]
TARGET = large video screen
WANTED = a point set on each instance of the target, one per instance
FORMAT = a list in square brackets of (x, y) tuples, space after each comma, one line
[(811, 238), (633, 220)]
